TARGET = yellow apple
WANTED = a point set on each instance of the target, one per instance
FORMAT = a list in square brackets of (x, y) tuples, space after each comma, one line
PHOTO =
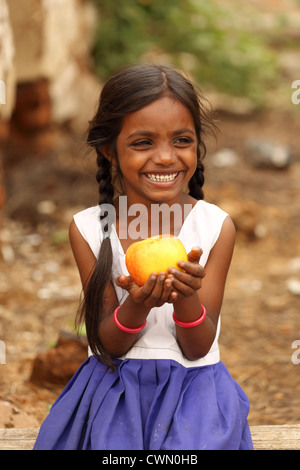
[(154, 254)]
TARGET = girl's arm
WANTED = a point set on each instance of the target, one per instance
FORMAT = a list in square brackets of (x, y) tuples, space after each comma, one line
[(82, 253), (195, 342)]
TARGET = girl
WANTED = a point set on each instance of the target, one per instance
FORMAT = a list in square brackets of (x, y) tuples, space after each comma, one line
[(154, 379)]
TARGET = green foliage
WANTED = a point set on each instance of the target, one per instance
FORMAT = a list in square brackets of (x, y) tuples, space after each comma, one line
[(60, 237), (201, 37)]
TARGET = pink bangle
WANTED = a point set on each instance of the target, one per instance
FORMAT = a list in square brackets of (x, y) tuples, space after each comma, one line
[(190, 324), (124, 328)]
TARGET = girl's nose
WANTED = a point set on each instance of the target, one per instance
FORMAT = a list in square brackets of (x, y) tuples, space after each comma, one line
[(165, 155)]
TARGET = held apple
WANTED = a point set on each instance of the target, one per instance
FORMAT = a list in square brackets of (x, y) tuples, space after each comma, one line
[(154, 254)]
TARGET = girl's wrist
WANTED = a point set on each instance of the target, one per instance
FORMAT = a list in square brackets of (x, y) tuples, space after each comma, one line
[(191, 324), (125, 328), (188, 308), (131, 315), (138, 309)]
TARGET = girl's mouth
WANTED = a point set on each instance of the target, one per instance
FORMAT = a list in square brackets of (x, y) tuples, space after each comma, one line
[(162, 177)]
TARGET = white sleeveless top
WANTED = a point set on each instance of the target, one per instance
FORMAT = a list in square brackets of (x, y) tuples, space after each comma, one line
[(157, 340)]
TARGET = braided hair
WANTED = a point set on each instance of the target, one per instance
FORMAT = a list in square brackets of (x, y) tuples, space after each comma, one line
[(125, 92), (102, 271)]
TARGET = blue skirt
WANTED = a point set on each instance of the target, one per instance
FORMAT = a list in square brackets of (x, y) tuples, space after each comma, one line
[(148, 405)]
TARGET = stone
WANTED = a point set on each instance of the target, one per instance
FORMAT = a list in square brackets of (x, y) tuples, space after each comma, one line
[(263, 153), (32, 111), (245, 215), (224, 158), (293, 286), (59, 364)]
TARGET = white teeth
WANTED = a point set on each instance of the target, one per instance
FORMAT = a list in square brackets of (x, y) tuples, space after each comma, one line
[(157, 177)]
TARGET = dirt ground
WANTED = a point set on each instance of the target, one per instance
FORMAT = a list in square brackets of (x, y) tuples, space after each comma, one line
[(39, 283)]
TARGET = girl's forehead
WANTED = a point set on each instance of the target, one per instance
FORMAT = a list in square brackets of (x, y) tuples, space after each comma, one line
[(165, 111)]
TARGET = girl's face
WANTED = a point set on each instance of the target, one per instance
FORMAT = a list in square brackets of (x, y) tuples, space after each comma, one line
[(157, 152)]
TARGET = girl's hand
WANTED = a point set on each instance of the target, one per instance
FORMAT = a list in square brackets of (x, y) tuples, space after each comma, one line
[(187, 283), (154, 293)]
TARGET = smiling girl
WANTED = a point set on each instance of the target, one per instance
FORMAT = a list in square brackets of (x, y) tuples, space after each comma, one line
[(154, 379)]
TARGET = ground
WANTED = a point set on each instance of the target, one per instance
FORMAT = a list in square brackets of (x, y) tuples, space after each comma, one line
[(40, 288)]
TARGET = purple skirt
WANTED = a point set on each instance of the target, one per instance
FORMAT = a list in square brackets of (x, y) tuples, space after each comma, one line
[(148, 405)]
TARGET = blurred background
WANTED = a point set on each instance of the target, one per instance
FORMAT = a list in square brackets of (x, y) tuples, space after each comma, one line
[(54, 57)]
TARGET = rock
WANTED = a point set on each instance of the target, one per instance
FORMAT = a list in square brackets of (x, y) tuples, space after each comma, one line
[(46, 207), (32, 111), (263, 153), (224, 157), (59, 364), (245, 215), (293, 286), (8, 254)]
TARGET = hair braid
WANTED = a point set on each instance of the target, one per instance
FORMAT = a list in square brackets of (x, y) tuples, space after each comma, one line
[(106, 188), (197, 181), (103, 177), (102, 271)]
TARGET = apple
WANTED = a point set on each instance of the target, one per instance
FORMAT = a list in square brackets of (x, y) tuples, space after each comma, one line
[(154, 254)]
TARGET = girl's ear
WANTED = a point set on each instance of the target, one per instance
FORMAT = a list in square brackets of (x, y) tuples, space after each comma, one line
[(106, 150)]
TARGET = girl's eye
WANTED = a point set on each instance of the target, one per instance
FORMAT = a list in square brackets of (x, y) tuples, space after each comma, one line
[(141, 143), (183, 141)]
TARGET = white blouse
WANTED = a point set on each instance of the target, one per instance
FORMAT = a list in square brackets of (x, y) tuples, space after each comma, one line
[(157, 340)]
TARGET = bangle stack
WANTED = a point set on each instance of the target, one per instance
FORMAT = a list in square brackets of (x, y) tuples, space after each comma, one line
[(125, 328), (191, 324)]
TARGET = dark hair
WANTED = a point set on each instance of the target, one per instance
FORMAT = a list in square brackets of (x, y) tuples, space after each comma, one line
[(125, 92)]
